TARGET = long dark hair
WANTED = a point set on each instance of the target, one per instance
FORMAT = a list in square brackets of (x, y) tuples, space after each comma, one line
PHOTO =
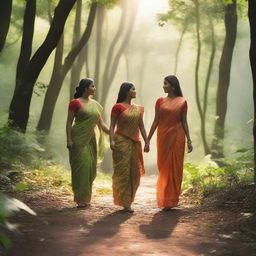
[(173, 80), (124, 89), (83, 84)]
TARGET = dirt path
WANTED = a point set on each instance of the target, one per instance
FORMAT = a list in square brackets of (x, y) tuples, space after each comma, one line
[(61, 229)]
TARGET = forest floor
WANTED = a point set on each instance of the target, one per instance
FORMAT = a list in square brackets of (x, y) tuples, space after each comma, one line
[(61, 229)]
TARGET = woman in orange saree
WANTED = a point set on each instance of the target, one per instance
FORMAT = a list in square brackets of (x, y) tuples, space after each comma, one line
[(172, 127), (84, 149), (125, 143)]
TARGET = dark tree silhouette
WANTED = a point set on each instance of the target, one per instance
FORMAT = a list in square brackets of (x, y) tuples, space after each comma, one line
[(5, 19), (224, 79), (53, 90), (27, 38), (78, 63), (252, 21), (20, 104), (99, 30)]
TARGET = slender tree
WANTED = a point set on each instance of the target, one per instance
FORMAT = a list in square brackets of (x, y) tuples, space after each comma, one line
[(53, 90), (86, 60), (177, 54), (224, 79), (99, 33), (78, 63), (20, 104), (252, 53), (111, 49), (113, 68), (186, 15), (5, 19)]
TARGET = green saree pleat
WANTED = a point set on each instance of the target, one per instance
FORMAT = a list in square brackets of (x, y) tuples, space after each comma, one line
[(83, 156)]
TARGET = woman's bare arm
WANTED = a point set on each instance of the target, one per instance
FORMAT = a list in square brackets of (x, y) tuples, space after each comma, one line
[(102, 125), (112, 130), (186, 130), (154, 125), (70, 119), (144, 135)]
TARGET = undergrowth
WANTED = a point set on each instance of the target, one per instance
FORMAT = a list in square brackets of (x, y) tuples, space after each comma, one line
[(200, 181), (27, 166)]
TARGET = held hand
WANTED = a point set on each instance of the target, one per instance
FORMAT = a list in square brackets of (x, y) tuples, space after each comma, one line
[(112, 145), (190, 147), (69, 145), (146, 148)]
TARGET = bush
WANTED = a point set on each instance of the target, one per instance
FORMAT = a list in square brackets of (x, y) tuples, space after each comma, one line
[(7, 207), (206, 179), (16, 148)]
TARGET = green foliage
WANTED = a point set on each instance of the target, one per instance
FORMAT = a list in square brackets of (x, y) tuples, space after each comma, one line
[(57, 177), (105, 3), (36, 173), (4, 240), (20, 186), (7, 207), (25, 160), (227, 2), (204, 180), (49, 176), (242, 6), (16, 148), (183, 13), (180, 13)]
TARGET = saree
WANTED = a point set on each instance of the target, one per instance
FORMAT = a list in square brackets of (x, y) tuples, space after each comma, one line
[(84, 155), (127, 157), (170, 151)]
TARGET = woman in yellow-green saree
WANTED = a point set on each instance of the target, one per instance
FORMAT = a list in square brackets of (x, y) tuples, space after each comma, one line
[(83, 147), (125, 143)]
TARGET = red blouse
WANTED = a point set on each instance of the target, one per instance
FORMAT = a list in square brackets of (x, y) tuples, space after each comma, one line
[(74, 105), (117, 109), (160, 101)]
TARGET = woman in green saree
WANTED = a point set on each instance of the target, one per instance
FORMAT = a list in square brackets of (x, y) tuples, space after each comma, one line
[(83, 147), (125, 143)]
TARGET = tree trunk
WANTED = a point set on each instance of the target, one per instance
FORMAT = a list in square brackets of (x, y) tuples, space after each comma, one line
[(56, 73), (179, 46), (127, 65), (20, 104), (53, 91), (116, 60), (206, 87), (224, 79), (87, 67), (252, 21), (141, 72), (27, 38), (77, 66), (5, 19), (208, 76), (99, 29), (197, 93), (111, 50)]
